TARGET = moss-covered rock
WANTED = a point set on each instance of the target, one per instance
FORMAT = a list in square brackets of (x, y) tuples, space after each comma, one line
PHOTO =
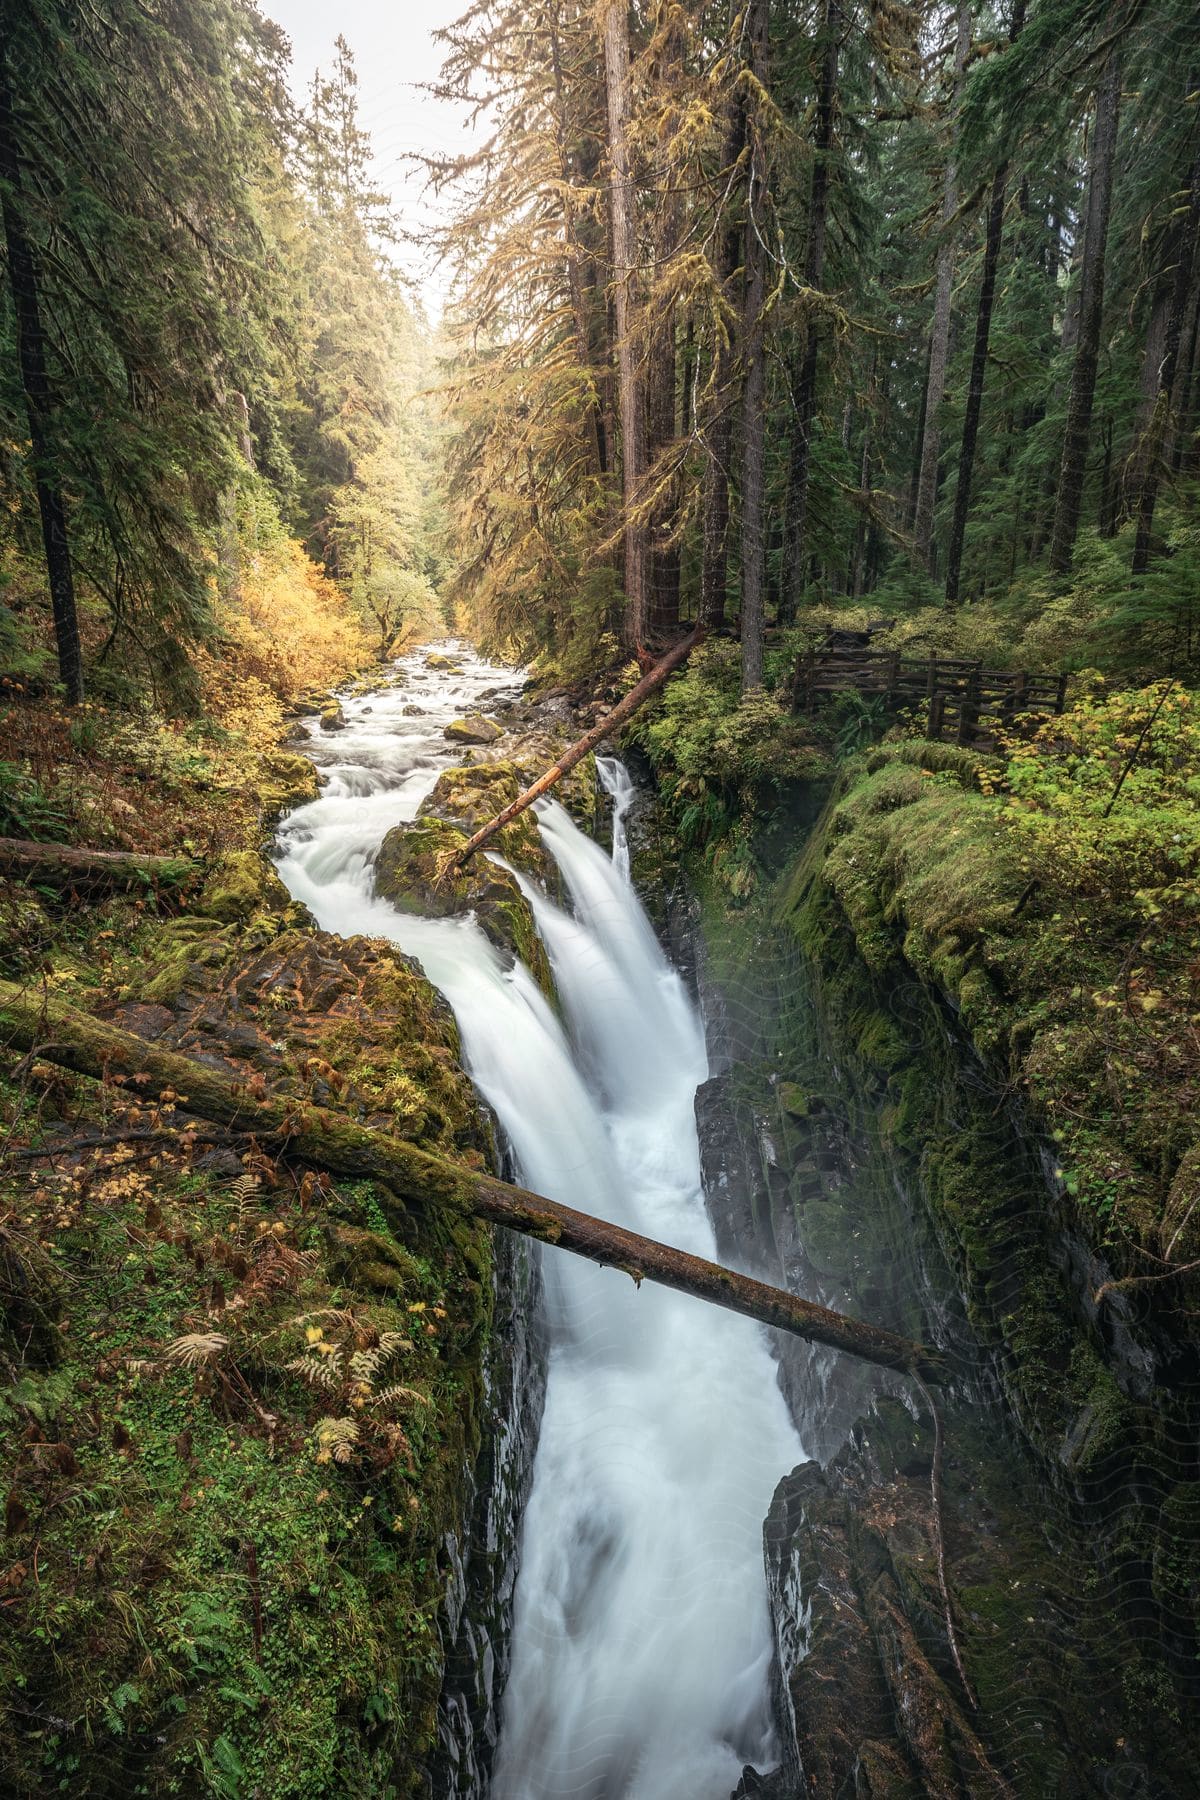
[(474, 729), (332, 717), (242, 884), (287, 780), (415, 871), (918, 1196), (470, 796)]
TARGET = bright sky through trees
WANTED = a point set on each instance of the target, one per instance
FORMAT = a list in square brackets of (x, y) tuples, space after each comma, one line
[(395, 55)]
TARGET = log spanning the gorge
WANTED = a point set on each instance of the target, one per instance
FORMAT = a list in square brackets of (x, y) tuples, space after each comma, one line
[(624, 709), (66, 866), (33, 1021)]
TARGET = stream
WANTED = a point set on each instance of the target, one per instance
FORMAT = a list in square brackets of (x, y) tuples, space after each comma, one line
[(642, 1646)]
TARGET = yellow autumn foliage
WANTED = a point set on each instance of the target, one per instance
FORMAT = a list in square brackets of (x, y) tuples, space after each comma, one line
[(286, 625)]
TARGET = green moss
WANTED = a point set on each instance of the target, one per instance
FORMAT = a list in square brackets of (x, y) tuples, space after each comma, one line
[(474, 729), (242, 884), (216, 1609), (416, 872)]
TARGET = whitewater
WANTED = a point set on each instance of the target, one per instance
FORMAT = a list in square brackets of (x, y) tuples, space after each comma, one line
[(642, 1644)]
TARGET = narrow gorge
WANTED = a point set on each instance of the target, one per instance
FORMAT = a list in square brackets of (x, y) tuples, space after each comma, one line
[(662, 1597)]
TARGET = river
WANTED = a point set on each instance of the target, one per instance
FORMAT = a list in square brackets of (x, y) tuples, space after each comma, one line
[(642, 1644)]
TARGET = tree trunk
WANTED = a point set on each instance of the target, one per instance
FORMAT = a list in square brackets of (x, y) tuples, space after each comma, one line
[(39, 401), (614, 16), (718, 429), (754, 390), (939, 343), (33, 1022), (66, 866), (983, 330), (805, 393), (1160, 421), (1091, 317), (624, 709), (575, 254), (1183, 399), (663, 578)]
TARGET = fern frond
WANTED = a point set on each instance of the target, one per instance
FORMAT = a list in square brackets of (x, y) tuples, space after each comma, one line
[(335, 1439), (195, 1348), (317, 1374), (394, 1396)]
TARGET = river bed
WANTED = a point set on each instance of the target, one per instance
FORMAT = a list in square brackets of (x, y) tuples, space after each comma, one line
[(642, 1644)]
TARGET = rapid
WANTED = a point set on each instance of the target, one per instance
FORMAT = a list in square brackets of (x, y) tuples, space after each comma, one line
[(642, 1644)]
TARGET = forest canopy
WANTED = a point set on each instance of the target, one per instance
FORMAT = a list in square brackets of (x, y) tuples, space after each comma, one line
[(756, 307), (774, 304), (210, 374)]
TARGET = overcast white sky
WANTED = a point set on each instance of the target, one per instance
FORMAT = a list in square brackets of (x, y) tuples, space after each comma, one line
[(394, 52)]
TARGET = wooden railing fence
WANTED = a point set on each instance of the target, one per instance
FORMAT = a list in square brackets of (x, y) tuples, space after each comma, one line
[(965, 702)]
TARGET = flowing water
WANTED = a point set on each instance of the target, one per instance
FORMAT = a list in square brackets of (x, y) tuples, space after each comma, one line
[(641, 1640)]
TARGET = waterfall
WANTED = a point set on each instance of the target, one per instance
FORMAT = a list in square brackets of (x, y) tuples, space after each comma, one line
[(641, 1639)]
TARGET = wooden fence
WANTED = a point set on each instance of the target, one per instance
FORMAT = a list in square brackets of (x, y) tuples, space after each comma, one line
[(964, 702)]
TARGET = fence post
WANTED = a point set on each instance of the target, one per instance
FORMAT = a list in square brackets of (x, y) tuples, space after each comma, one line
[(937, 707), (1060, 698), (968, 712)]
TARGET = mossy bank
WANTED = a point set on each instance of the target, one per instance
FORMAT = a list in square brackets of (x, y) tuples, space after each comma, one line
[(240, 1403), (922, 1115)]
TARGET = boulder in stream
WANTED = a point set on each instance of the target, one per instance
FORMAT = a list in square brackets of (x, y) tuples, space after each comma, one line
[(415, 873), (474, 729)]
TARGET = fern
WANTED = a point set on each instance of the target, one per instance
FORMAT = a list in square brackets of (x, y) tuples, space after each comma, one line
[(393, 1396), (196, 1348), (243, 1192), (336, 1439)]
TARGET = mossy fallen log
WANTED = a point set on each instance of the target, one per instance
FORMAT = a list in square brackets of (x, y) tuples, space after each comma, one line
[(68, 866), (31, 1020), (623, 710)]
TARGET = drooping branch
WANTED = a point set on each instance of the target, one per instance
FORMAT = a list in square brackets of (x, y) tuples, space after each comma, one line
[(33, 1021), (623, 710), (68, 866)]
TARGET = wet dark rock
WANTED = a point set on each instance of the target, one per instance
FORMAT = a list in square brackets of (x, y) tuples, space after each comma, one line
[(332, 717), (481, 1568)]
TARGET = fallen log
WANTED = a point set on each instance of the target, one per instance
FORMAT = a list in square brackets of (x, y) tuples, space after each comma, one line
[(624, 709), (67, 866), (33, 1021)]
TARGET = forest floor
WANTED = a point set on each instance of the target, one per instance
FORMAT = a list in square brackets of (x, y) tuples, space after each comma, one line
[(238, 1400)]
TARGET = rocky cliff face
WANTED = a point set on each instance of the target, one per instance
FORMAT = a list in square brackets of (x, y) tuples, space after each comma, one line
[(855, 1148), (481, 1566)]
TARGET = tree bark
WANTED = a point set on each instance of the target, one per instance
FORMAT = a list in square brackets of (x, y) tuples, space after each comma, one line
[(624, 709), (35, 1022), (939, 344), (663, 576), (575, 255), (1182, 399), (1160, 421), (1091, 317), (983, 330), (39, 401), (754, 390), (614, 20), (718, 429), (805, 392), (67, 866)]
